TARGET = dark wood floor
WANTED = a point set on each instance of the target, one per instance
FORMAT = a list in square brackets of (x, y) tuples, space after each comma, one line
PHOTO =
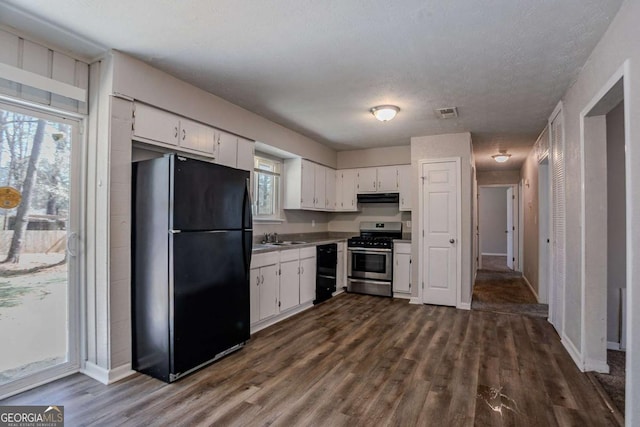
[(359, 360)]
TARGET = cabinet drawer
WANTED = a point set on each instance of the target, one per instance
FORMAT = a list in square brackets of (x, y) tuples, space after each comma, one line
[(289, 255), (261, 260), (402, 248), (307, 252)]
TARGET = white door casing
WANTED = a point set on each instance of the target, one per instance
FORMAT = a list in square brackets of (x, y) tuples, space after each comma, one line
[(440, 252), (510, 228)]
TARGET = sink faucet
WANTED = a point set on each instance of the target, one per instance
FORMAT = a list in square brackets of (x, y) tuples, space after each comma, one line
[(270, 238)]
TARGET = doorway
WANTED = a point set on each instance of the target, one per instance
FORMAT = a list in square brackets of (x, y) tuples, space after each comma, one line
[(606, 260), (498, 227), (40, 180)]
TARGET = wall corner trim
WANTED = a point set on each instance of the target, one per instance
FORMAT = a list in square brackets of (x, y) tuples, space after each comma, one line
[(464, 306), (106, 376), (573, 352), (415, 300)]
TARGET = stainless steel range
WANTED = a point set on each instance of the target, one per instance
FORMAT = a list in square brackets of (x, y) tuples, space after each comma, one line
[(370, 258)]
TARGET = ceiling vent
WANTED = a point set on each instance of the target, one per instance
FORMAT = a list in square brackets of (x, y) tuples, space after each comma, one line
[(446, 113)]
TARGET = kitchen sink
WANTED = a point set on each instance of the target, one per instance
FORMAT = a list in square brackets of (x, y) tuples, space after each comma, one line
[(289, 243)]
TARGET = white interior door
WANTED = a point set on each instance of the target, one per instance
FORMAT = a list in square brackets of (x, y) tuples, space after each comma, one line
[(544, 232), (440, 212), (510, 227)]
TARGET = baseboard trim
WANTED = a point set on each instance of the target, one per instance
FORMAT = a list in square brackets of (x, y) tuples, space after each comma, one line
[(599, 366), (614, 346), (400, 295), (492, 254), (464, 306), (107, 376), (531, 287), (280, 317), (573, 351), (415, 300)]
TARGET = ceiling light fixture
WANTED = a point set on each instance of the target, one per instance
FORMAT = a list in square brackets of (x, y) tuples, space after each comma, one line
[(384, 113), (501, 157)]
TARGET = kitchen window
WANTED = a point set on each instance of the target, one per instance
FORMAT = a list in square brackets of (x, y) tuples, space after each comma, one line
[(266, 188)]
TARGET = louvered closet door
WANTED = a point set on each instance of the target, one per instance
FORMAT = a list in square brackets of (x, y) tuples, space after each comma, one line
[(556, 309)]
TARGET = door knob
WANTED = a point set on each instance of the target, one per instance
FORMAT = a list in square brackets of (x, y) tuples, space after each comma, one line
[(452, 241)]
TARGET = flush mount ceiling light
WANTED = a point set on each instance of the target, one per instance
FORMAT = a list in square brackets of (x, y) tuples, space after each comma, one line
[(501, 157), (384, 113)]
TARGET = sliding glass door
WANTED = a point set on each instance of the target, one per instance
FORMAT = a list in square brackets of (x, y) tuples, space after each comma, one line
[(40, 182)]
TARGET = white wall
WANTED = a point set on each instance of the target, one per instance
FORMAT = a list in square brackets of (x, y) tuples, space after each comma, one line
[(498, 177), (442, 146), (530, 255), (619, 44), (493, 220), (616, 220), (382, 156)]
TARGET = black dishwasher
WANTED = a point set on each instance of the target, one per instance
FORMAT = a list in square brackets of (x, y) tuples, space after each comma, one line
[(327, 262)]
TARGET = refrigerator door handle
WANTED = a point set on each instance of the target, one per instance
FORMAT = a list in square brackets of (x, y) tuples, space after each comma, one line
[(246, 206)]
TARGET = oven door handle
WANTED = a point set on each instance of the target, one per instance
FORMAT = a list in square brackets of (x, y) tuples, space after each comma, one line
[(374, 282), (364, 251)]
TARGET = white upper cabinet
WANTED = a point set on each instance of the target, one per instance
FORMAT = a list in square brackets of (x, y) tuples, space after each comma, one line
[(346, 199), (306, 185), (320, 187), (246, 151), (195, 136), (330, 189), (155, 125), (404, 181), (367, 180), (158, 127), (387, 179), (227, 149)]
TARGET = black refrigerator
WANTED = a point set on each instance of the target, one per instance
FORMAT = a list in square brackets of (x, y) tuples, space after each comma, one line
[(192, 240)]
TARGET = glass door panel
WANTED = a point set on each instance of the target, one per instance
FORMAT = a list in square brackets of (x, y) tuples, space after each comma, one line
[(36, 223)]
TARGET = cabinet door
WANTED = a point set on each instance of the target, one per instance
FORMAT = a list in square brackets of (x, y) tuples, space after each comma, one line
[(254, 295), (268, 291), (156, 125), (245, 154), (196, 136), (402, 273), (308, 185), (367, 180), (289, 284), (320, 187), (404, 181), (388, 179), (330, 188), (227, 149), (349, 200), (340, 268), (307, 280)]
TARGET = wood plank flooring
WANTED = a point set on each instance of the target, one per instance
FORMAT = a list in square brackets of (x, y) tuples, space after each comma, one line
[(359, 360)]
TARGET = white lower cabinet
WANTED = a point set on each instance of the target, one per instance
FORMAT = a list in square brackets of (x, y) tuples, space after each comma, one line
[(264, 286), (281, 281), (289, 279), (402, 268), (341, 268), (307, 274)]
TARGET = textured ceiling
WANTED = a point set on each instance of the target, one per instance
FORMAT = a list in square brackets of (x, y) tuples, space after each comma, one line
[(318, 66)]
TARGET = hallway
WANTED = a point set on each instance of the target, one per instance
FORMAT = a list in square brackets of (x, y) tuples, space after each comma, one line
[(499, 289)]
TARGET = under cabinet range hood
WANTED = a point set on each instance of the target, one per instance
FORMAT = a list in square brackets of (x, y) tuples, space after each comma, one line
[(379, 198)]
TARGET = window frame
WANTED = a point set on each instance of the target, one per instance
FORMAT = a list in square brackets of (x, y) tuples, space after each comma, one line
[(279, 173)]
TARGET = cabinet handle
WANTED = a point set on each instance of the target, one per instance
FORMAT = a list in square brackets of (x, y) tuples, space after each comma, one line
[(298, 270), (374, 184), (262, 281), (184, 134), (302, 268), (258, 281), (176, 129)]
